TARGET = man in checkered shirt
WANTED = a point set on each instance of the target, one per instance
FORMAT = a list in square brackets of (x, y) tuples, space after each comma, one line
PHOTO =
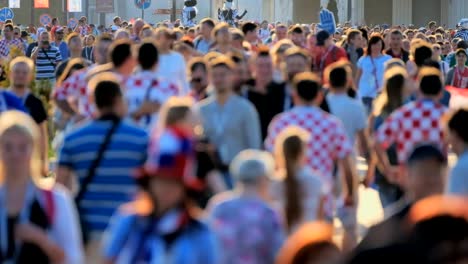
[(328, 143), (145, 91), (75, 87), (8, 41), (414, 123)]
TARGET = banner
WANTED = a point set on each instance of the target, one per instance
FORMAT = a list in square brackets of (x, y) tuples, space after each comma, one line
[(459, 97), (104, 6), (14, 3), (41, 3), (74, 6)]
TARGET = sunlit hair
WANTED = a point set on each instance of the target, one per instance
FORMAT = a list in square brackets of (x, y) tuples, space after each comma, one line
[(22, 60), (174, 110), (73, 65), (392, 97), (19, 123)]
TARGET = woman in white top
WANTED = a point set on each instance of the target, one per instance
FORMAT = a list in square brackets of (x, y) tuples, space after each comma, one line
[(371, 68), (37, 225), (300, 193)]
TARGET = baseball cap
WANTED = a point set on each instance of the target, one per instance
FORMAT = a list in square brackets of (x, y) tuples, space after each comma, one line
[(250, 165), (322, 36), (461, 51)]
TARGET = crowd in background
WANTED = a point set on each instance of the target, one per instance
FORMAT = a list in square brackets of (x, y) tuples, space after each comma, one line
[(159, 143)]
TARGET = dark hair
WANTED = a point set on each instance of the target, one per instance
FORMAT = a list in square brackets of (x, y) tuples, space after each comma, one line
[(72, 36), (338, 77), (352, 34), (105, 93), (365, 33), (394, 86), (8, 26), (430, 81), (307, 86), (459, 124), (396, 32), (462, 45), (297, 30), (73, 65), (208, 22), (198, 63), (293, 148), (148, 55), (422, 52), (120, 51), (223, 61), (311, 253), (294, 51), (248, 27), (374, 40)]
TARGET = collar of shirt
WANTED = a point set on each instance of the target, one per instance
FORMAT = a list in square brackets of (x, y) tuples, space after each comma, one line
[(306, 108)]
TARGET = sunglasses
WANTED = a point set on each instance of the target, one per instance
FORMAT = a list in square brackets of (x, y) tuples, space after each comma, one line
[(196, 80), (436, 48)]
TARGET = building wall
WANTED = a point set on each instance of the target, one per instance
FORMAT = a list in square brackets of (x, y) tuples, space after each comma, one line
[(378, 12), (306, 11), (425, 11), (26, 14)]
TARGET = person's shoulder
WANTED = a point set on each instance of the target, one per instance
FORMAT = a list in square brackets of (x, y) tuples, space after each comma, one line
[(205, 103), (131, 128), (221, 200)]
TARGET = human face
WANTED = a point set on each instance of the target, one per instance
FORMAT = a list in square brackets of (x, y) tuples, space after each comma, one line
[(295, 65), (377, 48), (461, 59), (75, 44), (166, 194), (263, 67), (410, 35), (222, 79), (406, 45), (223, 36), (251, 36), (8, 33), (45, 39), (206, 30), (199, 80), (17, 32), (90, 41), (281, 33), (446, 48), (16, 149), (311, 41), (59, 35), (357, 40), (395, 41), (20, 75), (297, 39), (437, 51)]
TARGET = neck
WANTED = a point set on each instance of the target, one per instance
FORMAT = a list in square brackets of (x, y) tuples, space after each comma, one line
[(19, 91), (164, 50), (338, 90), (375, 55), (223, 97), (396, 51), (7, 38), (250, 191), (58, 41), (19, 181), (224, 48), (75, 54), (107, 112), (461, 67)]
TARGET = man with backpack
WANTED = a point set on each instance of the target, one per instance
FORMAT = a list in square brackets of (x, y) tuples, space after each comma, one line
[(204, 42)]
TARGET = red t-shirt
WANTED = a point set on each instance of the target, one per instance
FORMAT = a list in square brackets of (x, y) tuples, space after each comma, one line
[(460, 78), (325, 57)]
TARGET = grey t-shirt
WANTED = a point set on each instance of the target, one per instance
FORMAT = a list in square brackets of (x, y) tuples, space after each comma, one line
[(350, 111), (458, 181)]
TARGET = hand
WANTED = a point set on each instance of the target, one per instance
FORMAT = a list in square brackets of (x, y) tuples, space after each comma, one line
[(349, 200), (147, 108), (392, 174), (327, 21), (30, 233)]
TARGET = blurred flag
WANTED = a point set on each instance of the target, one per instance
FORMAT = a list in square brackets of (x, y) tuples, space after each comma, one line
[(459, 97), (41, 3), (74, 6), (14, 3)]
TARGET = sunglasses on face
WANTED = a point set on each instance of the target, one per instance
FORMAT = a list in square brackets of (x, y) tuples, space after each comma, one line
[(196, 80), (436, 48)]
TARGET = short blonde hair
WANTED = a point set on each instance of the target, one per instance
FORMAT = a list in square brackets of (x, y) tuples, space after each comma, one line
[(20, 123), (22, 60)]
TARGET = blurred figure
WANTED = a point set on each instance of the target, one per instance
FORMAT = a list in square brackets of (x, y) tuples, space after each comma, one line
[(328, 52), (457, 136), (161, 226), (232, 215), (204, 42), (353, 48), (396, 49), (198, 78), (312, 243), (76, 48), (437, 56), (251, 35), (395, 91), (223, 38), (296, 34), (39, 224), (300, 193), (458, 75)]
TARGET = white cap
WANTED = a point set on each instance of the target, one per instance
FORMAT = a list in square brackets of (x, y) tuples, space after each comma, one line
[(250, 165), (463, 23)]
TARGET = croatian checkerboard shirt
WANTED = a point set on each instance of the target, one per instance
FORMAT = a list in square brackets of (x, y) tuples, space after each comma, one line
[(413, 124), (75, 88), (328, 140)]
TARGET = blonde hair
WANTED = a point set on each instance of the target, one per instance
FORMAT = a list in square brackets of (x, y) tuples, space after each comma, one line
[(21, 123), (22, 60), (174, 110)]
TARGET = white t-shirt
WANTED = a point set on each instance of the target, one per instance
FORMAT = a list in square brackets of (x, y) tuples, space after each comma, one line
[(371, 81), (350, 111), (172, 68)]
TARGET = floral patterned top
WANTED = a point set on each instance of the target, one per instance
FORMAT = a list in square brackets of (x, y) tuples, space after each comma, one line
[(249, 230)]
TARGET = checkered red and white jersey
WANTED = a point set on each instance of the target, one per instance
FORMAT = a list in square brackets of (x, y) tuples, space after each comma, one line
[(146, 85), (76, 88), (328, 140), (413, 124), (5, 46)]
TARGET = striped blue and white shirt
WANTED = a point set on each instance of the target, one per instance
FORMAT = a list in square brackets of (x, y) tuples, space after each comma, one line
[(113, 183), (46, 62)]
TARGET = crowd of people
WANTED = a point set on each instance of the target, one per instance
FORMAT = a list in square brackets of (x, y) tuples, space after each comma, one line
[(221, 144)]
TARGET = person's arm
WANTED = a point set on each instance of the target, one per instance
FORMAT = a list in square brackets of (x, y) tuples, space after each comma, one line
[(321, 208), (350, 176), (66, 229), (64, 171), (35, 53), (252, 129), (384, 138), (449, 79), (44, 145), (30, 233)]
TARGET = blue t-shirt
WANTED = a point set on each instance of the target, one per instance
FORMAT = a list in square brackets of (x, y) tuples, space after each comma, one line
[(113, 183), (9, 101)]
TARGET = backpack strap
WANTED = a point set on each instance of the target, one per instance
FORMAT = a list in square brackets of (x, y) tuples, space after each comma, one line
[(49, 205)]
